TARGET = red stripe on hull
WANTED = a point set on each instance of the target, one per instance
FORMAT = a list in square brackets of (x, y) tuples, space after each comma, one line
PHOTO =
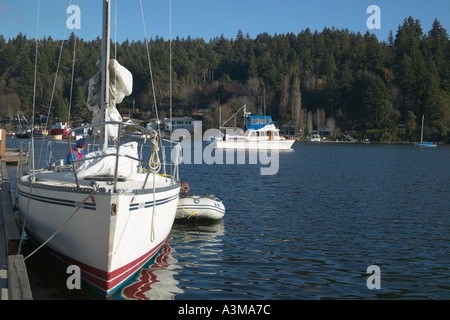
[(109, 281)]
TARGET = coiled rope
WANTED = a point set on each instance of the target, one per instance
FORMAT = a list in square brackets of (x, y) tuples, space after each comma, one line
[(154, 163)]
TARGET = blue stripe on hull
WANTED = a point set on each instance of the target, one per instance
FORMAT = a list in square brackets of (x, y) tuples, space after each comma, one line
[(57, 201), (149, 204)]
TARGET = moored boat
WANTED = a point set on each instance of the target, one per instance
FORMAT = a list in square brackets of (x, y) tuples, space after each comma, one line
[(313, 137), (422, 143), (197, 207), (110, 211), (260, 133), (59, 129), (206, 207)]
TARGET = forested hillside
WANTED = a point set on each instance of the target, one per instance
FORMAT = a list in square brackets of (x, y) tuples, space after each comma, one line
[(343, 80)]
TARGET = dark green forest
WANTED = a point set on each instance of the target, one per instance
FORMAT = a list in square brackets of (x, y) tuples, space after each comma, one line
[(342, 80)]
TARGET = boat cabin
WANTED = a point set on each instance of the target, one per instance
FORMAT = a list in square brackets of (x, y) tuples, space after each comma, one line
[(261, 128), (269, 134)]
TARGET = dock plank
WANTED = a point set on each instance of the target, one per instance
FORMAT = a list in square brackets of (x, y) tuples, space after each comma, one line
[(14, 281), (18, 283), (11, 231)]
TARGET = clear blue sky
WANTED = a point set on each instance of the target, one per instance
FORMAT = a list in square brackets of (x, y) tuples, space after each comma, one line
[(211, 18)]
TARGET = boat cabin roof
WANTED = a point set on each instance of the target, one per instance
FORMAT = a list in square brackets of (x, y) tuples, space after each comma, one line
[(257, 122)]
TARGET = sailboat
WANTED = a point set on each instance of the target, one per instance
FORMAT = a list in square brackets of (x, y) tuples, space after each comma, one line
[(111, 211), (422, 143)]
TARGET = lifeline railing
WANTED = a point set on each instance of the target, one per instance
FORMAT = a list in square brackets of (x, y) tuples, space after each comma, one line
[(152, 133)]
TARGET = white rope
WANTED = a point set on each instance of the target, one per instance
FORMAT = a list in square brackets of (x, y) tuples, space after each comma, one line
[(152, 230), (154, 163)]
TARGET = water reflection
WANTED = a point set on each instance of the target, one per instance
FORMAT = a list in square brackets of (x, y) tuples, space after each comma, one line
[(154, 282), (158, 279)]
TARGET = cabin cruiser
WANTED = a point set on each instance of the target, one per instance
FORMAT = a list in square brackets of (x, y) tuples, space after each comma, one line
[(259, 133)]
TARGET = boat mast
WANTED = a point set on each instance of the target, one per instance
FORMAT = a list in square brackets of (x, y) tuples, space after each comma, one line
[(105, 72)]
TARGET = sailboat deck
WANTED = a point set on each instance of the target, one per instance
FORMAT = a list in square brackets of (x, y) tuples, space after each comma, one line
[(66, 179)]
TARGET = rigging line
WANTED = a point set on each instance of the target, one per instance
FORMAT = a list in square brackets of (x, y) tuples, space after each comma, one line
[(115, 46), (150, 68), (57, 70), (34, 93), (170, 76), (54, 82), (62, 226), (73, 68), (152, 230), (32, 126)]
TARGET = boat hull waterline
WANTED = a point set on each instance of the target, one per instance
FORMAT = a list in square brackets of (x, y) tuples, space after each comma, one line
[(109, 237)]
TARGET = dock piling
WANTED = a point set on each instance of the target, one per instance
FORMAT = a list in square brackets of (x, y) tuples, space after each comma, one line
[(14, 282)]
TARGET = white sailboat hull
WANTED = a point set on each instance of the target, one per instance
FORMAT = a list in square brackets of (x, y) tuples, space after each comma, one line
[(110, 236)]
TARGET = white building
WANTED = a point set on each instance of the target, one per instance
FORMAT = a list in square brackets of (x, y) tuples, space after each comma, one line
[(179, 123)]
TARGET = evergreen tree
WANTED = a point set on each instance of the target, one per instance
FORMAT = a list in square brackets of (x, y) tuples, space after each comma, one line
[(360, 82)]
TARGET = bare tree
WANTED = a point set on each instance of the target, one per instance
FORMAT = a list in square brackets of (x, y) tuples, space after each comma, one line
[(310, 121), (296, 102), (284, 99), (331, 124)]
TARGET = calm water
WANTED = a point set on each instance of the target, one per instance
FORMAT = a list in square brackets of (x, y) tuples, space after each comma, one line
[(308, 232)]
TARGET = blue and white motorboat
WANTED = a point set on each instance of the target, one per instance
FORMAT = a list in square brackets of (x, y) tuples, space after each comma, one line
[(259, 133)]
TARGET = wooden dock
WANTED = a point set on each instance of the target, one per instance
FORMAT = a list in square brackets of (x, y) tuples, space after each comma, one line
[(14, 282), (11, 156)]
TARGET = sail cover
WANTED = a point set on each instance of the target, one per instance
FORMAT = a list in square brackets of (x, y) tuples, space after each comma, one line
[(120, 86), (96, 164)]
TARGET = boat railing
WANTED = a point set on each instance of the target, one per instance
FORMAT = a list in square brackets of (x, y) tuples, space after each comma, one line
[(117, 154)]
